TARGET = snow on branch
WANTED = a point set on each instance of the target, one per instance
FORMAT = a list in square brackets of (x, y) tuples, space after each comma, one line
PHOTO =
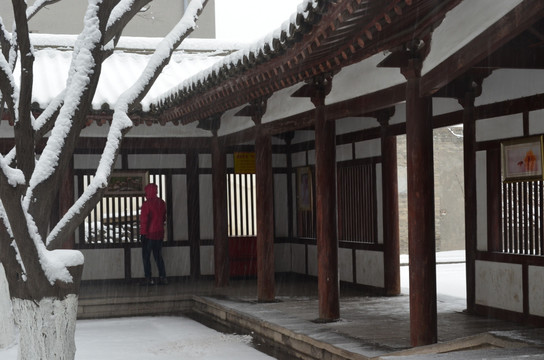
[(37, 6), (121, 123)]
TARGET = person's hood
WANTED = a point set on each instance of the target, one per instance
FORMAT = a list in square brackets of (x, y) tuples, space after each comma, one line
[(150, 191)]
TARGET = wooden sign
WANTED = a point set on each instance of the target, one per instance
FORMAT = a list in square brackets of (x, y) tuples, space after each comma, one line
[(244, 163)]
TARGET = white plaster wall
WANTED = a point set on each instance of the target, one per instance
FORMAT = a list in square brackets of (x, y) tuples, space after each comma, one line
[(90, 161), (205, 161), (370, 268), (536, 290), (294, 202), (311, 157), (481, 200), (281, 223), (312, 260), (206, 260), (499, 128), (206, 206), (379, 202), (176, 262), (399, 116), (507, 84), (303, 136), (298, 258), (352, 124), (298, 159), (445, 105), (368, 148), (499, 285), (279, 160), (536, 122), (344, 152), (179, 207), (104, 264), (345, 264), (156, 161), (282, 257)]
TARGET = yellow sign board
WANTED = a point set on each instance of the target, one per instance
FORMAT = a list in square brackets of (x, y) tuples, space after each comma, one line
[(244, 163)]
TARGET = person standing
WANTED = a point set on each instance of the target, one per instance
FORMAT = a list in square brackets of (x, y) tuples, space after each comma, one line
[(152, 218)]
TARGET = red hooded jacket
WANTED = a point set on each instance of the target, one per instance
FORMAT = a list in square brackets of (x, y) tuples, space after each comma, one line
[(152, 214)]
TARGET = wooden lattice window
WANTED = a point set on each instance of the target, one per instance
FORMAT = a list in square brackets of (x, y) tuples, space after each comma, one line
[(115, 219), (357, 209), (522, 218), (241, 205)]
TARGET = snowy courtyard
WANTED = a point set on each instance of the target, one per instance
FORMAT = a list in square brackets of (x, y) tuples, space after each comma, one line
[(174, 337)]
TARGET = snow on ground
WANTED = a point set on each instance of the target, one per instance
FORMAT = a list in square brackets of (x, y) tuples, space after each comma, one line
[(450, 274), (169, 338), (154, 338)]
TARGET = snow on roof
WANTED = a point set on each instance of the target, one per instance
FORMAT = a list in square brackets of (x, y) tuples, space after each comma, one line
[(53, 55)]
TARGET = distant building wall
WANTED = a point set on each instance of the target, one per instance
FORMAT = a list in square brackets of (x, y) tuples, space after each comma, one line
[(155, 20), (448, 187)]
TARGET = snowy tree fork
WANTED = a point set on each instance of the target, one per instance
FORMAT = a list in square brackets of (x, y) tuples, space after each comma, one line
[(43, 281)]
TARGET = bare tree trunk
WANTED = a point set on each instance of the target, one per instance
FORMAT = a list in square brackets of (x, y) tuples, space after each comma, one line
[(46, 329)]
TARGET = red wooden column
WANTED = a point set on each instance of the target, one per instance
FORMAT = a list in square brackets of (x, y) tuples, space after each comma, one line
[(421, 220), (193, 215), (220, 227), (265, 208), (327, 240), (390, 205)]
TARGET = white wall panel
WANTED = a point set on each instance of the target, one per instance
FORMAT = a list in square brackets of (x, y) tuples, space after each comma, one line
[(279, 160), (205, 161), (156, 161), (206, 206), (345, 264), (379, 202), (179, 207), (499, 285), (281, 220), (90, 161), (282, 257), (298, 159), (344, 152), (104, 264), (298, 258), (536, 290), (368, 148), (481, 200), (206, 260), (370, 268), (499, 128), (312, 260)]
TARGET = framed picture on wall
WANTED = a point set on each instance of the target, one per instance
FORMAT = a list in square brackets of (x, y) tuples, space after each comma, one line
[(522, 159), (127, 183), (304, 189)]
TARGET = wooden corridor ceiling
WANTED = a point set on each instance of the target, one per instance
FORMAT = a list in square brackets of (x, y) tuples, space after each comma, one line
[(336, 33)]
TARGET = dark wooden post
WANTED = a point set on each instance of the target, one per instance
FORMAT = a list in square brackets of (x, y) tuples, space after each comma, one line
[(193, 212), (265, 207), (390, 205), (220, 226), (421, 220), (327, 241)]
